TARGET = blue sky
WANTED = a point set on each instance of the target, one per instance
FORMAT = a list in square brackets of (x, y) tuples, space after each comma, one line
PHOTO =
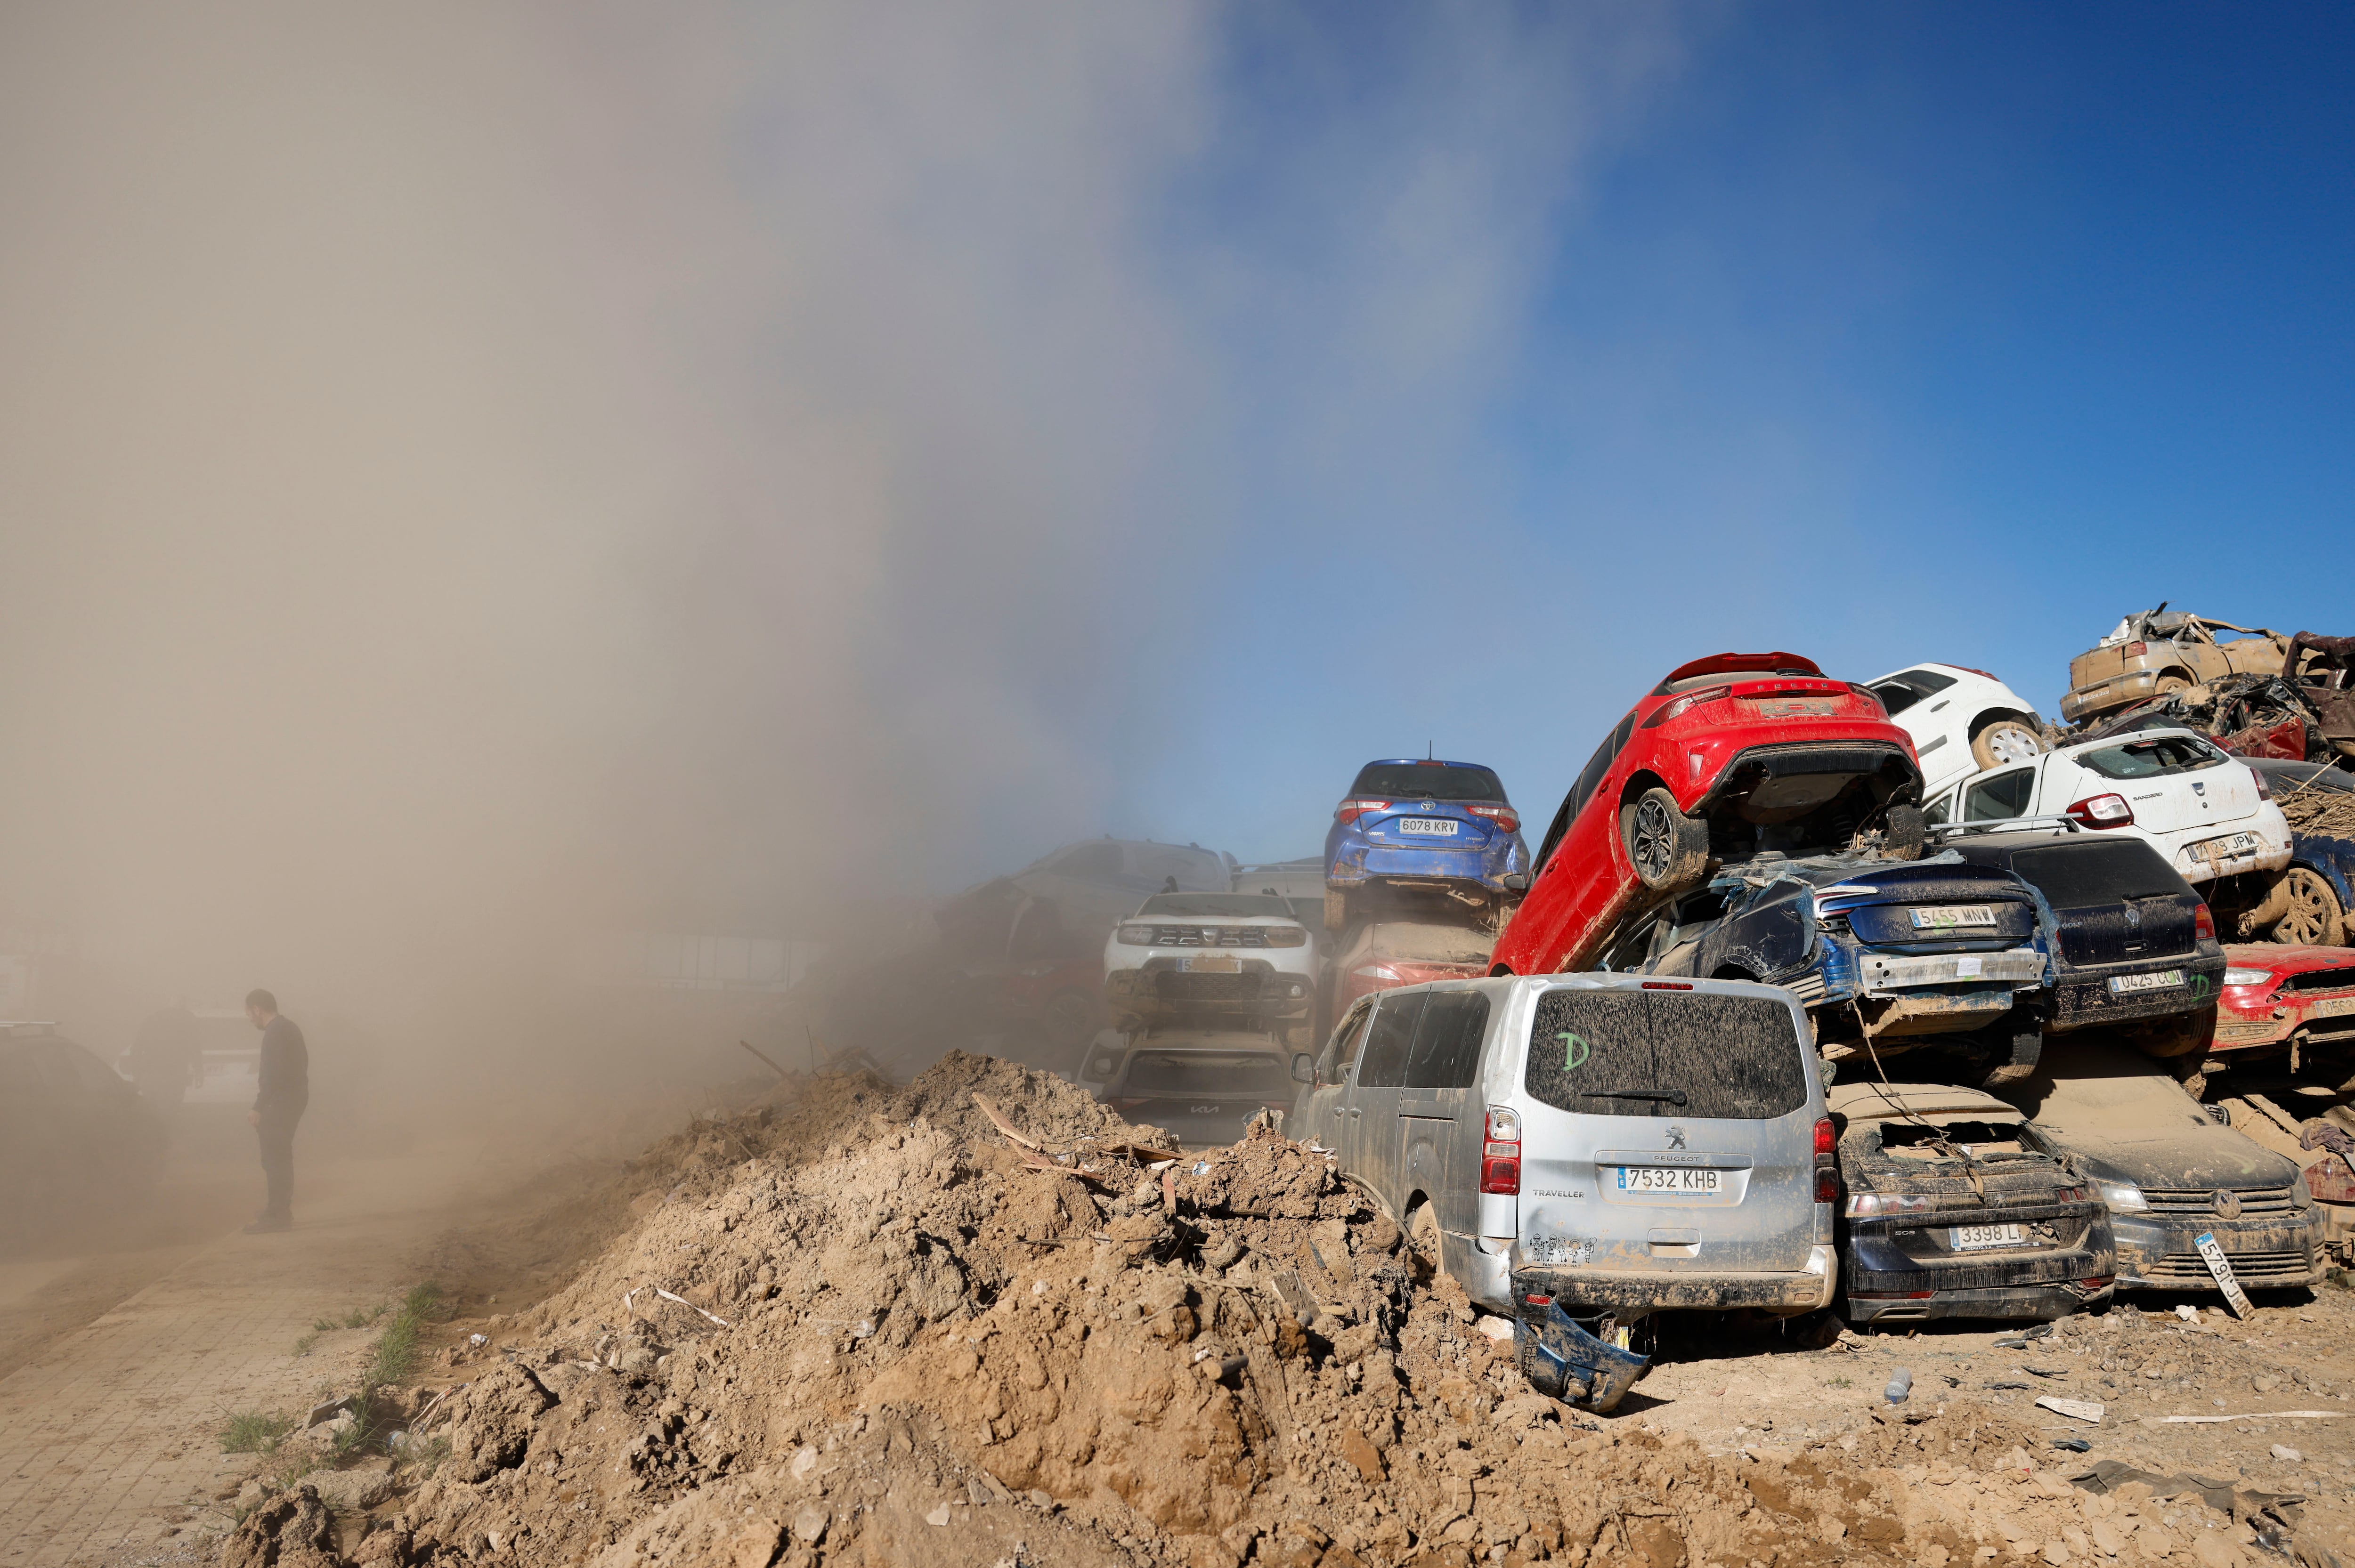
[(1881, 333)]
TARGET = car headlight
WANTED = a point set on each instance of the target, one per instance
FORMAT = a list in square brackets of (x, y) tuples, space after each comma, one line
[(2239, 976), (1134, 936), (1284, 935), (2121, 1194), (2302, 1192)]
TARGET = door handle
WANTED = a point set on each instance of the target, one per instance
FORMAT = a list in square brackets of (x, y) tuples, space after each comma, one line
[(1353, 1113)]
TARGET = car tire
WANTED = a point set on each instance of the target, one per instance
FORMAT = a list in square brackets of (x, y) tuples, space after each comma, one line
[(1336, 911), (1902, 834), (1422, 1235), (1669, 849), (1068, 1022), (2170, 684), (2006, 740), (2179, 1036), (2315, 919)]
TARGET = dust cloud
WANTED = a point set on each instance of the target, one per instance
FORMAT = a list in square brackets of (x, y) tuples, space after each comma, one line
[(477, 480)]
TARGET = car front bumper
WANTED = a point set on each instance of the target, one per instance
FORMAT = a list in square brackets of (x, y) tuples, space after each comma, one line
[(1255, 987), (2161, 1253)]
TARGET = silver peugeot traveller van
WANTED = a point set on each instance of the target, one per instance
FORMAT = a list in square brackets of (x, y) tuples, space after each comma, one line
[(1614, 1145)]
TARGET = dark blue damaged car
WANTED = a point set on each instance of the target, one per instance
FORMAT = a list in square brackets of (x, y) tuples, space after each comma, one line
[(1419, 835), (1944, 961)]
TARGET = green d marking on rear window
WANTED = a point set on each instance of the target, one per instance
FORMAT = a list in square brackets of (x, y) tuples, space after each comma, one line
[(1575, 1052)]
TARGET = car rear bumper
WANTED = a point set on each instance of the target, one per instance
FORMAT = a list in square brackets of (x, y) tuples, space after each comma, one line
[(2083, 996), (1640, 1290), (2162, 1254), (2041, 1303), (1881, 1279), (1360, 865), (2103, 695)]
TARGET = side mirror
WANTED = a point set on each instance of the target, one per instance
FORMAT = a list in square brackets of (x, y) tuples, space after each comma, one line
[(1515, 882), (1831, 1072), (1304, 1067)]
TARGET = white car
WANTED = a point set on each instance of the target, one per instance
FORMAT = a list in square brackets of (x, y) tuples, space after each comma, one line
[(1961, 721), (1212, 956), (2205, 810)]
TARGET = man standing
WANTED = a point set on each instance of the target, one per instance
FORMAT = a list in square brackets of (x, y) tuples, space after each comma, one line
[(285, 1090)]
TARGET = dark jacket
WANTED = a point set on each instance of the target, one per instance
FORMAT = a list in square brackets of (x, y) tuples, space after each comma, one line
[(286, 1069)]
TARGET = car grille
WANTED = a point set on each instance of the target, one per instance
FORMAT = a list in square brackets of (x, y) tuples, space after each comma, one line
[(1177, 985), (1834, 925), (1206, 937), (2249, 1267), (2255, 1200), (1807, 988), (2341, 978)]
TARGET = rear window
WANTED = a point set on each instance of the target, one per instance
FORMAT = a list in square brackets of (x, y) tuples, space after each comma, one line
[(2151, 758), (1211, 906), (1619, 1053), (1234, 1073), (1901, 691), (2000, 799), (1426, 781), (2074, 875)]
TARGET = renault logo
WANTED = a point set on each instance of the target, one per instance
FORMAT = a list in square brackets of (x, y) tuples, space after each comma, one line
[(2226, 1203), (1675, 1138)]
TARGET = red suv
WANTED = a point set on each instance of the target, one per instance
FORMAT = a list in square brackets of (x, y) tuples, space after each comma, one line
[(1732, 757)]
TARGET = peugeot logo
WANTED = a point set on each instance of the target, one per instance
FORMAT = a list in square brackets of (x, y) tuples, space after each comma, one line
[(1675, 1138), (2226, 1203)]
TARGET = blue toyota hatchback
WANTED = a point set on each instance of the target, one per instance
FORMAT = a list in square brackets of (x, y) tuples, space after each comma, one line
[(1412, 832)]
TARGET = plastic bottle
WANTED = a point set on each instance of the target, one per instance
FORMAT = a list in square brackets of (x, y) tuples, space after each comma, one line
[(1901, 1386)]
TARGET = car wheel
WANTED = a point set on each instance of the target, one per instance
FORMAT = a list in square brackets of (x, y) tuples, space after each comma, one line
[(2170, 684), (1902, 833), (1336, 911), (2179, 1036), (1669, 849), (1068, 1022), (1422, 1235), (2006, 740), (2315, 920)]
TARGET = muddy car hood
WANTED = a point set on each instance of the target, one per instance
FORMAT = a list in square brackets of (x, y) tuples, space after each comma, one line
[(2184, 1158)]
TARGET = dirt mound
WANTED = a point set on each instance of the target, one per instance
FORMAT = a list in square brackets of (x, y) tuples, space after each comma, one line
[(920, 1338)]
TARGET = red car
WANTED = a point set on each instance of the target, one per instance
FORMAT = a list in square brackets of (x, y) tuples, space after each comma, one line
[(1392, 953), (1731, 756), (2279, 998)]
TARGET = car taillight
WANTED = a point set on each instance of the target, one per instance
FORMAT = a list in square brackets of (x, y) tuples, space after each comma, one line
[(1667, 985), (1685, 704), (1503, 816), (2265, 791), (2103, 811), (2138, 650), (1351, 811), (2203, 924), (1500, 1155), (1823, 1138), (1376, 971), (1966, 669), (1826, 1165), (1827, 1186)]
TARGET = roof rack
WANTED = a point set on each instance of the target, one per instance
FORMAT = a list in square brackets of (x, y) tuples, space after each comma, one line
[(1944, 831)]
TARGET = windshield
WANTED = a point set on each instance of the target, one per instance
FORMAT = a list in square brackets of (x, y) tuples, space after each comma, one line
[(1245, 1075), (2151, 758), (1665, 1054), (1425, 781), (1210, 906)]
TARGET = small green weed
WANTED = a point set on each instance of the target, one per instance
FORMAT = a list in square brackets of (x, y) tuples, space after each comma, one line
[(1839, 1382), (394, 1355), (253, 1432), (302, 1346), (323, 1325)]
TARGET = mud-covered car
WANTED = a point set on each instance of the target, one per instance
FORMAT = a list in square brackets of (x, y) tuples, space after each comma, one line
[(1923, 953), (1731, 756), (2287, 1001), (1203, 1084), (1243, 957), (1391, 953), (1950, 1210), (2170, 1174), (75, 1140), (2161, 652), (1606, 1147), (1421, 833), (2132, 944)]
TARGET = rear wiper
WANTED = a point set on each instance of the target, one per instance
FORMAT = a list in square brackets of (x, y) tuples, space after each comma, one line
[(1669, 1096)]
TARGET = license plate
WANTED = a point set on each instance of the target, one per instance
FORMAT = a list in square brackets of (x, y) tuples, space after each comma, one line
[(1211, 963), (1971, 1238), (1793, 707), (2226, 848), (1429, 827), (2332, 1006), (2158, 979), (1952, 917), (1668, 1179)]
